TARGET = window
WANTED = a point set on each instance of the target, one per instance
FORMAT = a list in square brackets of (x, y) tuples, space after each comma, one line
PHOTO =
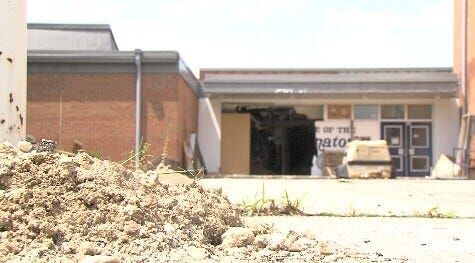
[(314, 112), (392, 112), (339, 112), (419, 136), (419, 111), (396, 163), (420, 163), (366, 112)]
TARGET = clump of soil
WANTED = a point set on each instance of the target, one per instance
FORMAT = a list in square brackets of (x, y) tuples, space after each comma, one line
[(57, 207)]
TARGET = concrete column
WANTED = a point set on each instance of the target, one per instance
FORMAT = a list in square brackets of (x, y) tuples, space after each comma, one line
[(209, 136), (13, 70)]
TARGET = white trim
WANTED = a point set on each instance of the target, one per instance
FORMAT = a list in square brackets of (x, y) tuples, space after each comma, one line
[(419, 170), (426, 127)]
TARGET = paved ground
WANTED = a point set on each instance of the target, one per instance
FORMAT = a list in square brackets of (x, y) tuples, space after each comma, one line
[(376, 197), (414, 239)]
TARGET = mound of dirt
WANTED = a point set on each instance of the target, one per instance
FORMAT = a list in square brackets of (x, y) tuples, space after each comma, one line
[(54, 207)]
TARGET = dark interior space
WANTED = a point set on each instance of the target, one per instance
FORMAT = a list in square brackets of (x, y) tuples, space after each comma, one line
[(301, 141), (282, 141)]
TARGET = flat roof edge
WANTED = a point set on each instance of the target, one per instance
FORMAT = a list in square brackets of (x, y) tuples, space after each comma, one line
[(310, 70), (45, 56), (68, 26)]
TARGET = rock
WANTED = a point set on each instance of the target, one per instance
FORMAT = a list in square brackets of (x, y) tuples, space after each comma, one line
[(132, 228), (24, 146), (87, 248), (197, 253), (295, 247), (290, 240), (237, 237), (65, 160), (261, 241), (5, 220), (277, 241), (68, 248), (259, 228), (168, 228), (130, 209), (153, 179), (99, 259), (325, 249), (46, 146), (332, 258)]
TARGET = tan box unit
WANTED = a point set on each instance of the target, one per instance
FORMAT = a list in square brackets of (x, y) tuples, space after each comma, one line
[(368, 159)]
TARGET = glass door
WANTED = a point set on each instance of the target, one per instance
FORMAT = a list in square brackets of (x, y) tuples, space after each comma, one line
[(420, 149), (395, 135)]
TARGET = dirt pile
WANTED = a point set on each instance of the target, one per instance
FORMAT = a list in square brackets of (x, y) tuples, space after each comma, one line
[(54, 207)]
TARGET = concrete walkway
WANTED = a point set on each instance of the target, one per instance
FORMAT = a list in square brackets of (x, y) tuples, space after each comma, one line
[(404, 239), (374, 197)]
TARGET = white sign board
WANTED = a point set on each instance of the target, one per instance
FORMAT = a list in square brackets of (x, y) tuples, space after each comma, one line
[(332, 134)]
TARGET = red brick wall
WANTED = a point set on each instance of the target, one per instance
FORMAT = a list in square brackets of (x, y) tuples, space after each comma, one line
[(99, 111)]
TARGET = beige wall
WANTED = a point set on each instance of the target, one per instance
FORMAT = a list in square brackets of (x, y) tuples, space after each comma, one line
[(235, 143), (12, 70)]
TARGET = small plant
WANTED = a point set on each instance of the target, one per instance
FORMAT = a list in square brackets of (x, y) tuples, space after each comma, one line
[(143, 156), (352, 211), (262, 205), (164, 154), (434, 212), (293, 206), (256, 206)]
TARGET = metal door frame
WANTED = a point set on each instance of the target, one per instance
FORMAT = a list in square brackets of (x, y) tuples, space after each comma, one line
[(419, 151), (403, 144)]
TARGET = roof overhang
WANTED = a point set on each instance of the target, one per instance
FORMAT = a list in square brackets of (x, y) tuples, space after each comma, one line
[(368, 83), (79, 62)]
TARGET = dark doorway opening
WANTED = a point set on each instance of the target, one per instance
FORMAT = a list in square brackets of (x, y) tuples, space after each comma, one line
[(301, 148), (282, 141)]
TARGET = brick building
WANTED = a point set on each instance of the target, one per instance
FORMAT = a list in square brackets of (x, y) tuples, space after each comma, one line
[(82, 91)]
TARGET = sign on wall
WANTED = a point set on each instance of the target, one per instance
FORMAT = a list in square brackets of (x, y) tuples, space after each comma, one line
[(332, 134), (335, 134)]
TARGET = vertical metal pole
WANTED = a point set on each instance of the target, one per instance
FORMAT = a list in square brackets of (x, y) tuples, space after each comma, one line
[(138, 105)]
